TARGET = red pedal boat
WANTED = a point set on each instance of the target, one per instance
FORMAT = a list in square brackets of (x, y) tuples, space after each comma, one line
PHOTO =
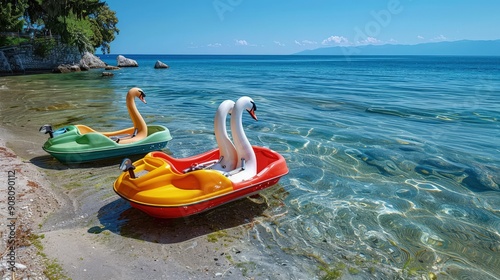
[(167, 187)]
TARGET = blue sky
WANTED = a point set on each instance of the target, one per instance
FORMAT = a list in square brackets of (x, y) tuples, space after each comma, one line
[(290, 26)]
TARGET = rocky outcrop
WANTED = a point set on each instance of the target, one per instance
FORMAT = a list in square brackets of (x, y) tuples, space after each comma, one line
[(23, 59), (84, 67), (160, 65), (87, 62), (91, 61), (126, 62), (11, 62), (4, 64), (16, 63), (111, 68)]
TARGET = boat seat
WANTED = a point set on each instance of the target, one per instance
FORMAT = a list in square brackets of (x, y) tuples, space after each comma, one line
[(117, 138)]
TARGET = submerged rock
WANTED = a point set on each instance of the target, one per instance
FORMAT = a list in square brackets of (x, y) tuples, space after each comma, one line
[(67, 68), (126, 62), (159, 65), (111, 68), (107, 74)]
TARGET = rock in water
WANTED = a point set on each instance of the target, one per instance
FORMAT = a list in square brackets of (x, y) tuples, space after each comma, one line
[(126, 62), (159, 65)]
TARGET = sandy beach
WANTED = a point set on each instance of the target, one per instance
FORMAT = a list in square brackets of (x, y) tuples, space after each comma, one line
[(63, 232), (27, 191)]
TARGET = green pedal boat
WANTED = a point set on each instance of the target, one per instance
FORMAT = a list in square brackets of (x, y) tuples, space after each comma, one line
[(80, 143)]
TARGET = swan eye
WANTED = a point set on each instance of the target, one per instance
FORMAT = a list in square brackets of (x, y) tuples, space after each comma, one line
[(142, 93)]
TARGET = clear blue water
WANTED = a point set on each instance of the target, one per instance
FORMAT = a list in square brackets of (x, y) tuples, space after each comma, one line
[(394, 160)]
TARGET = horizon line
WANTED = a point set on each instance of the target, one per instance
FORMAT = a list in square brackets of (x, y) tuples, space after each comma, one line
[(348, 46)]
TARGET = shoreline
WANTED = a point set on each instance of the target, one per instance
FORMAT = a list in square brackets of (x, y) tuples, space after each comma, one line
[(27, 72), (67, 236)]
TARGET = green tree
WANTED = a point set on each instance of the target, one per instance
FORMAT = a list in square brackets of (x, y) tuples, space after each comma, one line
[(11, 15), (79, 33), (87, 24), (84, 8), (104, 28), (11, 21)]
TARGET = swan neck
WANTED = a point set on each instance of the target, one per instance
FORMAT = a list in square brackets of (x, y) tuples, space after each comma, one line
[(136, 117), (239, 136)]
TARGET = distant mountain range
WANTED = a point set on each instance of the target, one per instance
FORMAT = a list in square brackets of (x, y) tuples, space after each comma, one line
[(463, 47)]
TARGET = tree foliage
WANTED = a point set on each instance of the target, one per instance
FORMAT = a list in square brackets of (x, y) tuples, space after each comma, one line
[(104, 28), (86, 24), (11, 15)]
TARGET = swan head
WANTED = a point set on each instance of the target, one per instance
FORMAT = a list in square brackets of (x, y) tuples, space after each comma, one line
[(249, 105), (252, 110), (139, 93)]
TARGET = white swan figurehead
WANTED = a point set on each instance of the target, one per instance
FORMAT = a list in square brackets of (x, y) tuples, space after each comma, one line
[(227, 152), (246, 161)]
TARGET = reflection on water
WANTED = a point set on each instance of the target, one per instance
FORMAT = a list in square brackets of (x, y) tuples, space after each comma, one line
[(375, 191)]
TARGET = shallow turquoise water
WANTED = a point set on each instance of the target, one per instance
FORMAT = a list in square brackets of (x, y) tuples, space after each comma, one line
[(394, 161)]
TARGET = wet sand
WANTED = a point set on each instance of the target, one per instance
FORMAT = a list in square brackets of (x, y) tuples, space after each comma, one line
[(81, 229)]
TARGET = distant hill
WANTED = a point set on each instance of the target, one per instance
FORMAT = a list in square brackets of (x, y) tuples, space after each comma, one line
[(463, 47)]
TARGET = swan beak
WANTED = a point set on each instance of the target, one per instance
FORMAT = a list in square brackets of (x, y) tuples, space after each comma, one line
[(252, 111), (142, 97)]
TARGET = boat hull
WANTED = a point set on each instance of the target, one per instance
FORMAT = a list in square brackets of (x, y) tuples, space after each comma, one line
[(268, 175), (71, 146), (93, 155), (201, 206)]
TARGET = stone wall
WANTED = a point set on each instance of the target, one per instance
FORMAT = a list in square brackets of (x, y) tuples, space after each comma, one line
[(21, 59)]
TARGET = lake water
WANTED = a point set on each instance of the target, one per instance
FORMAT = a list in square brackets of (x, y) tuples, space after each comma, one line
[(394, 160)]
